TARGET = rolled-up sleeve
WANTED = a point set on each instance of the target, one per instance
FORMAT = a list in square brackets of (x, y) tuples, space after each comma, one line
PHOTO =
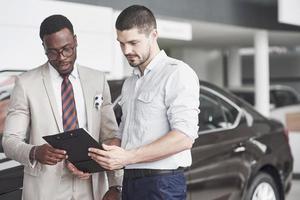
[(182, 100)]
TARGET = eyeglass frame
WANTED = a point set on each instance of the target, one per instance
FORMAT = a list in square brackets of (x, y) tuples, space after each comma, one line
[(60, 52)]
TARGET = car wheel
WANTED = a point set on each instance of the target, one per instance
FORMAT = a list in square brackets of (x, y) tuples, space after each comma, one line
[(263, 187)]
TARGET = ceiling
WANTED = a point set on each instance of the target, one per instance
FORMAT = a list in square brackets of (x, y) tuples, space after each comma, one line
[(211, 35)]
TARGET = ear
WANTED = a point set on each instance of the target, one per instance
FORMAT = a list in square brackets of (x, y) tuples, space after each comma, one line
[(154, 34)]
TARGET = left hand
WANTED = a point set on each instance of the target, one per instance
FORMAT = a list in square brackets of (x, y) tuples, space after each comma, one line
[(112, 194), (77, 172), (112, 157)]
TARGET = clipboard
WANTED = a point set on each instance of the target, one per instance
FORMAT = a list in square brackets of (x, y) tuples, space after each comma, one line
[(76, 142)]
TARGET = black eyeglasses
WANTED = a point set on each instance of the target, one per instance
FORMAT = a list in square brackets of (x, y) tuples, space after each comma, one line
[(66, 51)]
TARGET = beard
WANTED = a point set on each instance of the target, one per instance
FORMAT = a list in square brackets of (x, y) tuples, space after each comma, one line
[(140, 60)]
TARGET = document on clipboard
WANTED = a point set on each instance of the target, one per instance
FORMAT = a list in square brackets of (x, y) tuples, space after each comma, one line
[(76, 143)]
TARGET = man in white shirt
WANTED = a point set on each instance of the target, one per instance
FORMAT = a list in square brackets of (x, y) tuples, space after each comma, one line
[(160, 114), (55, 97)]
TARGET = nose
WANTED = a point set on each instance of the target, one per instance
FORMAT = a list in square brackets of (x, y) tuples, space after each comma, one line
[(60, 56), (127, 49)]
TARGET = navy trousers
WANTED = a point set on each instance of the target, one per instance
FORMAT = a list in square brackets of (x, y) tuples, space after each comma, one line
[(156, 187)]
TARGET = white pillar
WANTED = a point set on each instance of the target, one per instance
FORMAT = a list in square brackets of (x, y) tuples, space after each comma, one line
[(261, 72), (234, 68)]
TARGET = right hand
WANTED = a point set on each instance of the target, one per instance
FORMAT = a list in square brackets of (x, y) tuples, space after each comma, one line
[(48, 155)]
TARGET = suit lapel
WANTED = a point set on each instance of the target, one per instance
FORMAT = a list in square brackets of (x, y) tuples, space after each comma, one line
[(49, 90), (88, 93)]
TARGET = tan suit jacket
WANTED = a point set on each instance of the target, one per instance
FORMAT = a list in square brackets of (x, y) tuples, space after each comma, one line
[(33, 114)]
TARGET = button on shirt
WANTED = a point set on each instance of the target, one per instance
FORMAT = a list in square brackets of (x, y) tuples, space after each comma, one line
[(165, 98), (56, 80)]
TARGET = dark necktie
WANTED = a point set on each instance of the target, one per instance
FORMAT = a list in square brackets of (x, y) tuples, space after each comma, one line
[(69, 114)]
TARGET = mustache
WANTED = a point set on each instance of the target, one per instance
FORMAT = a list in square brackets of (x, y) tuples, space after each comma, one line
[(130, 55)]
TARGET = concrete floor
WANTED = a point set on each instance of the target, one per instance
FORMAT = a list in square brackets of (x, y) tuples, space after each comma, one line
[(294, 194)]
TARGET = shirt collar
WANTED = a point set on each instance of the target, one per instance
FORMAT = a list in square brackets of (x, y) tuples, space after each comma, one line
[(74, 74), (154, 64)]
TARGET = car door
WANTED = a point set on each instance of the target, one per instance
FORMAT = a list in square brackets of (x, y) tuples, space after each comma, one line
[(218, 151)]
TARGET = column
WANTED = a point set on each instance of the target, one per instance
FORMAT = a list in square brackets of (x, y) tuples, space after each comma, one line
[(261, 72)]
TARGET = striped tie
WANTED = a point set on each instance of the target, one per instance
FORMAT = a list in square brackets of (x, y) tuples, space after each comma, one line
[(69, 114)]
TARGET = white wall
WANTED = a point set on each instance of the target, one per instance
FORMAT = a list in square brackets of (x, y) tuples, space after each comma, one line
[(21, 47)]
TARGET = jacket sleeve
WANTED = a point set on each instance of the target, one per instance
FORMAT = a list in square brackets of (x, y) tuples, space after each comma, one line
[(16, 126), (109, 126)]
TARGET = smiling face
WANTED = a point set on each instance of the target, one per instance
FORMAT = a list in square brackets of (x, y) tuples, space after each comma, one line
[(137, 47), (62, 44)]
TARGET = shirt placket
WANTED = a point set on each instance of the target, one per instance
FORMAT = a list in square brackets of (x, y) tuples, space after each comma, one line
[(131, 126)]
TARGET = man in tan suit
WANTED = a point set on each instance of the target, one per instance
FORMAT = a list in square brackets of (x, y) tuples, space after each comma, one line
[(42, 105)]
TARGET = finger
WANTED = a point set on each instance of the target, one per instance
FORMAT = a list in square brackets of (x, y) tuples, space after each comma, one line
[(109, 147), (51, 159), (99, 152), (57, 151), (70, 166), (99, 158), (50, 162), (56, 156), (75, 171), (85, 176)]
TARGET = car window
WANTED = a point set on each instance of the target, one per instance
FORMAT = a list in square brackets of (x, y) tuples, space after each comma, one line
[(215, 113), (284, 98), (247, 96)]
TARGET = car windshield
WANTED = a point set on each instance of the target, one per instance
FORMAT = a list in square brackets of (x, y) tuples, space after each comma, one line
[(284, 98)]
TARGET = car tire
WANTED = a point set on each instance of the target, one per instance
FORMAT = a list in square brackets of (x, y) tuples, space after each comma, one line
[(263, 187)]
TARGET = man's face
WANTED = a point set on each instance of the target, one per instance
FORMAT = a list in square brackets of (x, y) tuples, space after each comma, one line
[(136, 46), (60, 48)]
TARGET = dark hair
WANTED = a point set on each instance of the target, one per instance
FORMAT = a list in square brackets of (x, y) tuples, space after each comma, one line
[(53, 24), (136, 16)]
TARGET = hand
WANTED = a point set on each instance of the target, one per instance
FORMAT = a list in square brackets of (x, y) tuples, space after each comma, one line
[(112, 194), (77, 172), (112, 157), (48, 155)]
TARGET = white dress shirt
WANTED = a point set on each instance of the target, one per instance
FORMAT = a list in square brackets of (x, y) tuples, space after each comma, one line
[(166, 98), (56, 80)]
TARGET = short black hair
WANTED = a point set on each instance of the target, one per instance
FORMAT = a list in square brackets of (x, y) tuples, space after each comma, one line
[(136, 16), (53, 24)]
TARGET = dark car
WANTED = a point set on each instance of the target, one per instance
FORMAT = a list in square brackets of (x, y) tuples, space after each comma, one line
[(280, 95), (239, 154)]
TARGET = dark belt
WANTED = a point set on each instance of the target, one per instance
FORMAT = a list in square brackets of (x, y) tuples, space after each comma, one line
[(140, 173)]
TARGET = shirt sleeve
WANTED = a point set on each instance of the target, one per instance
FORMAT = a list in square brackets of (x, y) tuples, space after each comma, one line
[(182, 100)]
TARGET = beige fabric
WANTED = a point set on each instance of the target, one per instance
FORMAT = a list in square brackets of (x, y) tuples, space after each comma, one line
[(33, 113)]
